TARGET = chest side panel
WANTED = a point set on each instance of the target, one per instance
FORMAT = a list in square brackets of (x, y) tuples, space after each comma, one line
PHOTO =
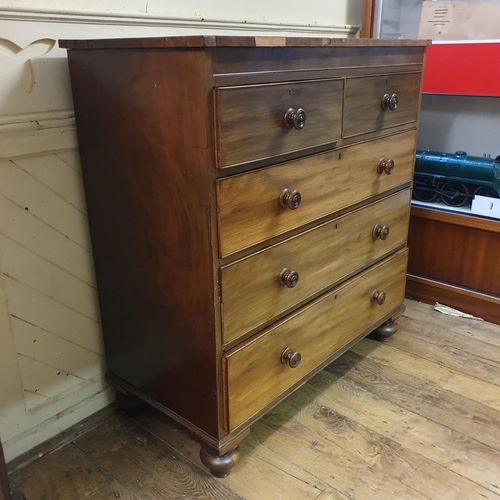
[(146, 156)]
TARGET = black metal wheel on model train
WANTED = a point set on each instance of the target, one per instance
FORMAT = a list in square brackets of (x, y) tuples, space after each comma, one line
[(425, 193), (487, 191), (454, 194)]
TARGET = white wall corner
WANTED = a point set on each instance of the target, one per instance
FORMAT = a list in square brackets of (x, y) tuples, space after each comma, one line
[(49, 428)]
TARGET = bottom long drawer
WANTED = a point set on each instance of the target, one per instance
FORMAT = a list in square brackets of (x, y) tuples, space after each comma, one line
[(261, 369)]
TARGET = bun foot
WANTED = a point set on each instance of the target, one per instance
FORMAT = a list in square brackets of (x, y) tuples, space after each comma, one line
[(220, 466), (385, 330), (129, 404)]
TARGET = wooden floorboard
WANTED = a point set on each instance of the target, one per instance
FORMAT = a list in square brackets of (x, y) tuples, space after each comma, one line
[(67, 473), (146, 466), (470, 418), (417, 417), (424, 370)]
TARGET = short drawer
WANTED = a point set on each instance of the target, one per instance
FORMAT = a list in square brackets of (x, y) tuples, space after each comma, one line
[(252, 207), (251, 123), (256, 372), (364, 111), (258, 288)]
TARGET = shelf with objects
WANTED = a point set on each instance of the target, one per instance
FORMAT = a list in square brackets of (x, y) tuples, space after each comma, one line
[(454, 234), (453, 251)]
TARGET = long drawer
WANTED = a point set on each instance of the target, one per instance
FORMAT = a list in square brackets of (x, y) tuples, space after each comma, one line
[(258, 288), (259, 371), (254, 206), (251, 122), (363, 108)]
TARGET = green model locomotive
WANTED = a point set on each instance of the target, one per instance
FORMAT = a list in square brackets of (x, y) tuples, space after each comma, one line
[(455, 178)]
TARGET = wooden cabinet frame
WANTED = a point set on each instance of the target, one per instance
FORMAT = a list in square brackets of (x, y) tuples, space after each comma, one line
[(367, 16)]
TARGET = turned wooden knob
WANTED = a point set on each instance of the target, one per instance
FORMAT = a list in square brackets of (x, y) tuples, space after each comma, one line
[(290, 199), (289, 278), (381, 232), (386, 166), (390, 102), (290, 357), (378, 297), (295, 119), (393, 102)]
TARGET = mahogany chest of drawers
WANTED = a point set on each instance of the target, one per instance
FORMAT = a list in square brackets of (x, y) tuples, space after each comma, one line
[(248, 200)]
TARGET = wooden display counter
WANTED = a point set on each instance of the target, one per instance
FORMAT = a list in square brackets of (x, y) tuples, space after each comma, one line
[(455, 260)]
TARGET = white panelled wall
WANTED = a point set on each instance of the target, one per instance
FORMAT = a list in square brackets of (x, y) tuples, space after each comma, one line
[(51, 351)]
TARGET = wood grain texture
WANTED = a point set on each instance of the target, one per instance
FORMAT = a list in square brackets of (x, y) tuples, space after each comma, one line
[(251, 293), (250, 119), (378, 453), (458, 219), (259, 474), (332, 435), (427, 371), (479, 331), (424, 346), (232, 41), (435, 441), (261, 77), (363, 97), (152, 129), (430, 291), (342, 435), (367, 17), (159, 472), (269, 60), (354, 471), (449, 251), (460, 275), (80, 477), (453, 410), (152, 248), (255, 373), (248, 204)]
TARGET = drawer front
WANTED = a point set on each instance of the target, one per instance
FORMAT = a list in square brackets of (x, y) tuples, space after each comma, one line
[(363, 102), (251, 124), (255, 372), (249, 209), (252, 291)]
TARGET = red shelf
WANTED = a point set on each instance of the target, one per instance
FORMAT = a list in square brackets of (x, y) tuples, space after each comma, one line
[(462, 69)]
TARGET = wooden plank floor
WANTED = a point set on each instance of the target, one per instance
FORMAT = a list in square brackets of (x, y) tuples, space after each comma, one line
[(417, 417)]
